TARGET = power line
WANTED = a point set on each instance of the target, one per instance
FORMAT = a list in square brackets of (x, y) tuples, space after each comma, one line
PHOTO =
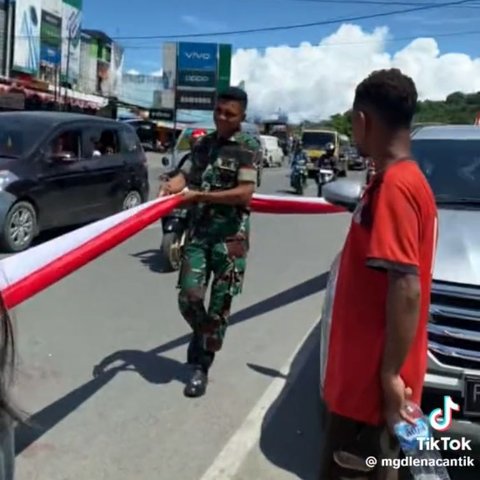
[(475, 3), (300, 25), (334, 44)]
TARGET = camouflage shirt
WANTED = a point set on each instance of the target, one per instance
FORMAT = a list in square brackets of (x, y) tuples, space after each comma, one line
[(218, 164)]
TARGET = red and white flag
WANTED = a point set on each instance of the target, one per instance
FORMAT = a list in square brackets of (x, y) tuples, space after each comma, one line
[(27, 273)]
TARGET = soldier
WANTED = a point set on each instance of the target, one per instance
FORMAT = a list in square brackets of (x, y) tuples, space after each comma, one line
[(221, 178)]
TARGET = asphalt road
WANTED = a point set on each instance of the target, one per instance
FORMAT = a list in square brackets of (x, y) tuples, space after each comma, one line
[(101, 368)]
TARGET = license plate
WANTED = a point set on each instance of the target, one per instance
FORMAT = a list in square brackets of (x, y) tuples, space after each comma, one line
[(471, 402), (326, 171)]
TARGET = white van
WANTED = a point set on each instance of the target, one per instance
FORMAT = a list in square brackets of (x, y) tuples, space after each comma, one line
[(272, 152)]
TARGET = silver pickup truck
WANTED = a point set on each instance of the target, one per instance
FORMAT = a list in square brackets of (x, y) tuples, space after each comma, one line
[(449, 156)]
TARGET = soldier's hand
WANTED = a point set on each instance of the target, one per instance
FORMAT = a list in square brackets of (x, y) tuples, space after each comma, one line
[(191, 196)]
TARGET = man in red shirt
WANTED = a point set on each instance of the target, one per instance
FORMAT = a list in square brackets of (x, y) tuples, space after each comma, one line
[(375, 335)]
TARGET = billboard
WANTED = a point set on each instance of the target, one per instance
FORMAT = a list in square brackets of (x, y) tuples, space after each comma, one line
[(197, 56), (195, 99), (26, 52), (71, 32), (51, 33), (192, 78), (224, 66)]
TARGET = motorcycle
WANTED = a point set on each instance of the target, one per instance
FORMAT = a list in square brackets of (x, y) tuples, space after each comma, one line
[(174, 228), (325, 175), (299, 176)]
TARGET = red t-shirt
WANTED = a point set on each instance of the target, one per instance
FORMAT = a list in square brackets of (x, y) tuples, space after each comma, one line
[(394, 227)]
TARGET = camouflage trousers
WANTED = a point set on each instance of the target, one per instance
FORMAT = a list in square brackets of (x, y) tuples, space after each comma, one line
[(226, 261)]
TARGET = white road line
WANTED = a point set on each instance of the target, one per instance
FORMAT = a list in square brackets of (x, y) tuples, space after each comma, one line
[(229, 461)]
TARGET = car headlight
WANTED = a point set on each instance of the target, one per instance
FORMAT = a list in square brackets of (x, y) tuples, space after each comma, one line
[(6, 178)]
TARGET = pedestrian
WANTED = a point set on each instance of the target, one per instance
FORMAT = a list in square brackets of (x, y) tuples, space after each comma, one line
[(221, 178), (376, 325), (8, 414)]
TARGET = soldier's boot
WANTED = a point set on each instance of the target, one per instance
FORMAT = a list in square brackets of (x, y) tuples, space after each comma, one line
[(197, 385)]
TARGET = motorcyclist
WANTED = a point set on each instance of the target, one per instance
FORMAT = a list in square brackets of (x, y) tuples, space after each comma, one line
[(328, 159), (299, 155)]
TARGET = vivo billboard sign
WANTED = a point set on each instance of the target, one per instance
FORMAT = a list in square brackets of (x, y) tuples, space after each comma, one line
[(197, 56)]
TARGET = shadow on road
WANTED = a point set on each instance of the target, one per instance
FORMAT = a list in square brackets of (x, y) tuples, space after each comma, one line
[(293, 422), (149, 364), (154, 260)]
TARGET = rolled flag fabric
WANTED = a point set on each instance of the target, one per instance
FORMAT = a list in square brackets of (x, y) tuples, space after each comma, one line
[(27, 273), (292, 205)]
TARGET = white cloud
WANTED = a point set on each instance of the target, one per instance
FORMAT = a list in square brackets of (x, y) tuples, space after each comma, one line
[(158, 73), (133, 72), (316, 81)]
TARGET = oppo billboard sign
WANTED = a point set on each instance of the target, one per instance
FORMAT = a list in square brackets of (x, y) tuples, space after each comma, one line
[(196, 78), (197, 56)]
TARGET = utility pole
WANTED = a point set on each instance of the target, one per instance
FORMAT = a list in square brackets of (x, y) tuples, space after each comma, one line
[(174, 162), (9, 40), (67, 71)]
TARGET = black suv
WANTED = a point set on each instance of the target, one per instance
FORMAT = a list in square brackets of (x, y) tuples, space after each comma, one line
[(61, 169)]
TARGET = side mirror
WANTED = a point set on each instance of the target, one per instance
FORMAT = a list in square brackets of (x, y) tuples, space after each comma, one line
[(165, 161), (343, 192)]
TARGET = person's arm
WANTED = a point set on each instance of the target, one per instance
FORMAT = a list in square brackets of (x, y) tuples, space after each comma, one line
[(394, 248), (177, 180)]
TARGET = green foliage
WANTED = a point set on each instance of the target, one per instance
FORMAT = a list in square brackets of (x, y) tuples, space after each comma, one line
[(458, 108)]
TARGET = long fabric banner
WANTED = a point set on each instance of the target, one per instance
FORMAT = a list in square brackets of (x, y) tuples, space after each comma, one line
[(27, 273)]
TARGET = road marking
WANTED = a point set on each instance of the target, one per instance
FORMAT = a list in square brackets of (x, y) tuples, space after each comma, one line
[(229, 461)]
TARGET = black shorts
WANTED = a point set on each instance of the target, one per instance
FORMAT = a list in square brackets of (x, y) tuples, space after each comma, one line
[(346, 446)]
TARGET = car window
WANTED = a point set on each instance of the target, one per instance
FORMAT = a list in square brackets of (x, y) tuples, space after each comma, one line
[(101, 142), (452, 167), (20, 136), (66, 143), (129, 141)]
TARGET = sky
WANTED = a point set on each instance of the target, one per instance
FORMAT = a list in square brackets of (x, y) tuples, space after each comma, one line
[(309, 72)]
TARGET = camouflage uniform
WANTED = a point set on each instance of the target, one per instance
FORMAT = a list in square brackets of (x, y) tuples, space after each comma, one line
[(218, 240)]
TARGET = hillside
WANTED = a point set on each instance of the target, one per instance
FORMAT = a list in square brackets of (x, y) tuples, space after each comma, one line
[(458, 108)]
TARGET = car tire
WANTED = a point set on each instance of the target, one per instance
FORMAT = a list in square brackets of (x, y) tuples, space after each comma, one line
[(132, 199), (21, 218)]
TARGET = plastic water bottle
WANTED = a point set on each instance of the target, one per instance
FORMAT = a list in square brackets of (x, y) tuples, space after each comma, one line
[(427, 467)]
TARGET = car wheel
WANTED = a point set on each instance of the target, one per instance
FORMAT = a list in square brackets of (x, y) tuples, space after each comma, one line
[(20, 227), (131, 200)]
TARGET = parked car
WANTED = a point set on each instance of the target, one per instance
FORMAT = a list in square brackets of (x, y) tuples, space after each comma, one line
[(353, 159), (147, 133), (272, 151), (60, 169), (449, 157)]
